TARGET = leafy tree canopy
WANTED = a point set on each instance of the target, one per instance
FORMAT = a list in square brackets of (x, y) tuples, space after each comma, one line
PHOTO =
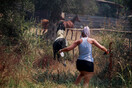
[(12, 14)]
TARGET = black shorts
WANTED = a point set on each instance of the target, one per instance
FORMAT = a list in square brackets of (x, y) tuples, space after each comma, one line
[(83, 65)]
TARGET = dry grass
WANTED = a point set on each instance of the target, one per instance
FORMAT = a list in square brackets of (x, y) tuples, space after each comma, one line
[(35, 67)]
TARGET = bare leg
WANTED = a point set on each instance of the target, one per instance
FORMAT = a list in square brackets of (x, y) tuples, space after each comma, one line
[(79, 78), (86, 75), (87, 78)]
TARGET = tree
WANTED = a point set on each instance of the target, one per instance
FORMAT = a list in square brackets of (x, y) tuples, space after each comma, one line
[(12, 14), (56, 7)]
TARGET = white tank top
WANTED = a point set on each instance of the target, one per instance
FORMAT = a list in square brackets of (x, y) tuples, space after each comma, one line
[(85, 50)]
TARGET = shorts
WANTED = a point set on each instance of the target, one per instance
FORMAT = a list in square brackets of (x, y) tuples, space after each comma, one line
[(83, 65)]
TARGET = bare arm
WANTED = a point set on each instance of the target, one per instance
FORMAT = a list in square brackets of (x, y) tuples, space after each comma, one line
[(100, 46), (72, 46)]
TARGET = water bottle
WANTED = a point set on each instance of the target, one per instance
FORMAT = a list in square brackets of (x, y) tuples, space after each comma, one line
[(62, 54)]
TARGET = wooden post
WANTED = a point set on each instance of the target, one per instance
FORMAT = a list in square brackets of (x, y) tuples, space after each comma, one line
[(71, 34), (110, 60), (67, 32), (73, 54), (76, 35)]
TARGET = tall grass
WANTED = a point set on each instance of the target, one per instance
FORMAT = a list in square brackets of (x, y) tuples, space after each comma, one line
[(125, 75), (30, 64), (120, 52)]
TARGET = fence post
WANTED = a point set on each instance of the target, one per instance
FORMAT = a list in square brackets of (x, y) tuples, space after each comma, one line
[(76, 35), (110, 60), (71, 34), (67, 32)]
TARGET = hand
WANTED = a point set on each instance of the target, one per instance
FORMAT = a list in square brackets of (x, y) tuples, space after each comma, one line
[(107, 52), (60, 51)]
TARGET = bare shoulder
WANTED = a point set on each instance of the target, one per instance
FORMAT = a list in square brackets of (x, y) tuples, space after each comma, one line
[(78, 41), (91, 40)]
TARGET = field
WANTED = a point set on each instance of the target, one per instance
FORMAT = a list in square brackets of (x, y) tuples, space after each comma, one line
[(30, 64)]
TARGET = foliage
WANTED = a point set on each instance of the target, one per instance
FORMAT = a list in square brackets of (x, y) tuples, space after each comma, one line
[(12, 13), (55, 7), (32, 48), (120, 53), (18, 61), (125, 75)]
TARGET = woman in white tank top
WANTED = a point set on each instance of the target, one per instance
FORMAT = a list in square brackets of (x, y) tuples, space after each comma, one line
[(85, 60)]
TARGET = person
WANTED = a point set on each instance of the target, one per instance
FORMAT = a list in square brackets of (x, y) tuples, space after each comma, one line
[(85, 61)]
